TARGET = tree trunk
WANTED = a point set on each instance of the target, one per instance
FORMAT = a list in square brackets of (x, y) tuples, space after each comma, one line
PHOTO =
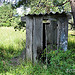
[(73, 10)]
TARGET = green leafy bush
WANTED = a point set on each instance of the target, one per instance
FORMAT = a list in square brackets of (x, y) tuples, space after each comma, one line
[(59, 61), (1, 64)]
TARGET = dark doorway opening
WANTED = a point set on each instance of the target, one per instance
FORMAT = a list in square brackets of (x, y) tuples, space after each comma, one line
[(44, 36)]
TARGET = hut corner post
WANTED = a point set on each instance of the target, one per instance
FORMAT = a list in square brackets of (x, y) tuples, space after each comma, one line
[(62, 34)]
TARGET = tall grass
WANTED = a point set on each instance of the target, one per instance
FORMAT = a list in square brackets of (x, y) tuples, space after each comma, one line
[(71, 39), (11, 42)]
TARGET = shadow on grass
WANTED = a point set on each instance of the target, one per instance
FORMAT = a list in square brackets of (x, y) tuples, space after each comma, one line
[(11, 51), (8, 53), (71, 45)]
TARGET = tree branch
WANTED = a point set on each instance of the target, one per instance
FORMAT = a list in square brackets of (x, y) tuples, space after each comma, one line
[(63, 3), (55, 5)]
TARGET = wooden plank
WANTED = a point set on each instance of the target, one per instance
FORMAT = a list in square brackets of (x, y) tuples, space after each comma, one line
[(63, 33), (58, 35), (48, 32), (46, 29), (52, 33), (29, 25), (37, 38)]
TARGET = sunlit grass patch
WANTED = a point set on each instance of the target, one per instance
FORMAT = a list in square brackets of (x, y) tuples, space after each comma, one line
[(11, 42), (71, 39)]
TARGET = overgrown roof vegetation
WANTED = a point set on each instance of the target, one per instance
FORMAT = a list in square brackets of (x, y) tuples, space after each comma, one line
[(43, 6), (50, 6)]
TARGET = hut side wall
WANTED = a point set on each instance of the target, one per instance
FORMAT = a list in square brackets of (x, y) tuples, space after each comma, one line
[(62, 33)]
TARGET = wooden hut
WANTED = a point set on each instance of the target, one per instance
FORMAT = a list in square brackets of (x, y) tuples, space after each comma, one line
[(43, 30)]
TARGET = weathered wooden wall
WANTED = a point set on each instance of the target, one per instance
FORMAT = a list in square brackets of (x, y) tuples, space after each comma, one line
[(51, 29), (34, 38), (62, 34), (56, 33), (37, 37), (29, 26)]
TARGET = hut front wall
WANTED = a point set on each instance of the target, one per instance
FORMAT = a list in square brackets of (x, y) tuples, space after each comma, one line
[(56, 33), (37, 37)]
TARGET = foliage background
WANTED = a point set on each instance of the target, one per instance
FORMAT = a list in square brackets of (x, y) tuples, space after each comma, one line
[(45, 6), (7, 16)]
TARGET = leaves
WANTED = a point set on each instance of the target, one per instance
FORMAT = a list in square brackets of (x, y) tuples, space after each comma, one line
[(46, 6), (6, 14)]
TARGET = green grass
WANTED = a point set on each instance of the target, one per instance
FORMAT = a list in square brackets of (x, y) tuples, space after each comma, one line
[(12, 43), (71, 39)]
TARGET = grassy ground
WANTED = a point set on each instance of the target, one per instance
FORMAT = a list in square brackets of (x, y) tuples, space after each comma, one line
[(71, 39), (12, 43)]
